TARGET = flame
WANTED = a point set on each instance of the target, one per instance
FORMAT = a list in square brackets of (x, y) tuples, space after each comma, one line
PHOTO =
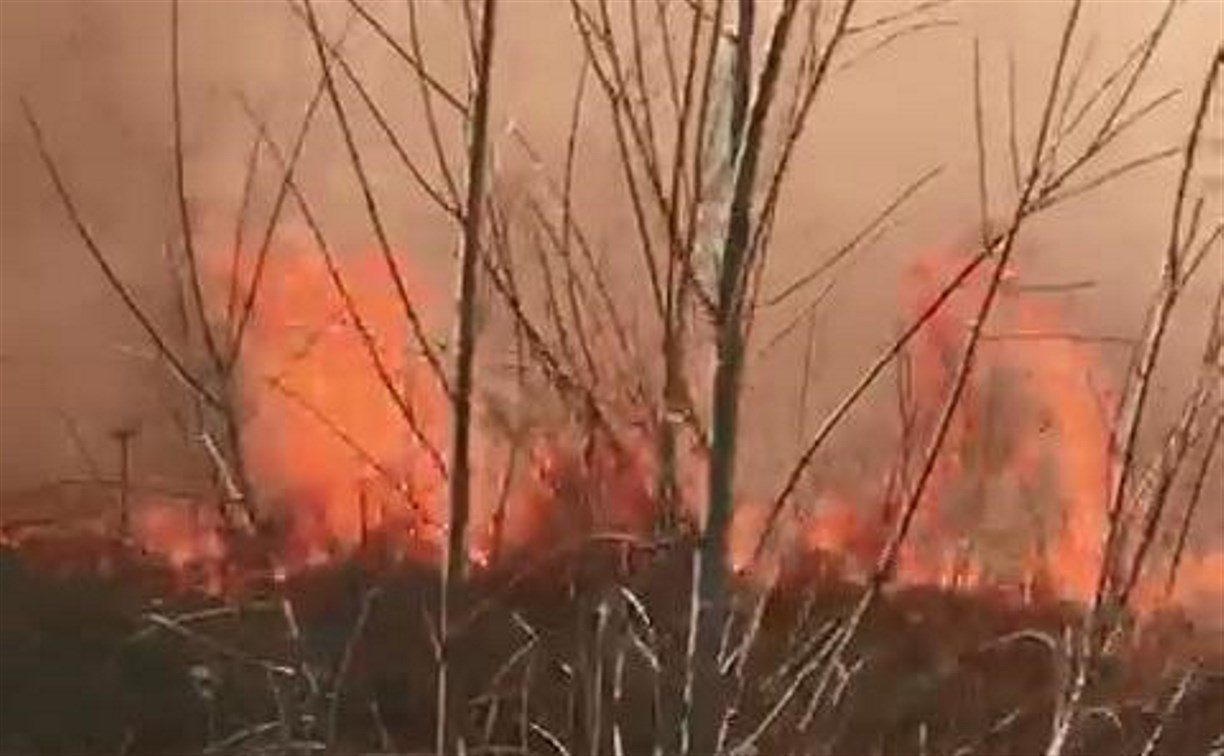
[(330, 451), (187, 541), (1075, 430), (324, 440), (1016, 497), (1028, 437), (1031, 427)]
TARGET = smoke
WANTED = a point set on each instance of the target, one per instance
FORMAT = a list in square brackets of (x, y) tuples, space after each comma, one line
[(96, 75)]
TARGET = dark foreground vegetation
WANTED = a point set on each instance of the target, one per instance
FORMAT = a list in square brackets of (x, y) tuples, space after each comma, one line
[(572, 652)]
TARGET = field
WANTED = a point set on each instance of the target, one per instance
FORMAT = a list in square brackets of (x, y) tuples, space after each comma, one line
[(613, 377)]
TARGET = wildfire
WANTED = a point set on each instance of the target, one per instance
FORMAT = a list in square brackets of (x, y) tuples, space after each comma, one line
[(1017, 496)]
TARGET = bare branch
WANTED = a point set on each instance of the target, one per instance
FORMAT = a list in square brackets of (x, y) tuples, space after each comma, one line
[(193, 266), (371, 205), (163, 348), (1192, 504), (917, 9), (248, 183), (350, 307), (897, 36), (874, 224), (834, 418), (410, 59), (278, 203), (346, 438), (427, 107), (418, 176), (979, 130), (1013, 147)]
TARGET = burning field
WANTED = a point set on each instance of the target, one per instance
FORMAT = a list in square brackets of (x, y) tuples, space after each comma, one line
[(532, 516)]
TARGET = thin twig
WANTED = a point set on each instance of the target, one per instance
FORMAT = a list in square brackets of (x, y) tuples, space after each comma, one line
[(359, 324), (163, 348), (410, 59), (248, 184), (380, 118), (1192, 504), (427, 109), (193, 265), (346, 662), (371, 206), (261, 256), (874, 224), (834, 418), (979, 131), (887, 563)]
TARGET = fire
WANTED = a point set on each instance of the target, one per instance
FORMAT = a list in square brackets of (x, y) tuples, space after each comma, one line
[(1019, 488), (1026, 456), (1017, 496), (1030, 436), (187, 540), (329, 450), (1074, 427), (324, 440)]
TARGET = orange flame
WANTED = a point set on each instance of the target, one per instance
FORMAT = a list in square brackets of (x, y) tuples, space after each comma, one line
[(1026, 453), (323, 436)]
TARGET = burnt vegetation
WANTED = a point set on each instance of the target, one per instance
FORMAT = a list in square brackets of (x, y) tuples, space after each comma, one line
[(529, 537)]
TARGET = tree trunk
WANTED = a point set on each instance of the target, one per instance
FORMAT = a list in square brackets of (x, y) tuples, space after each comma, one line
[(451, 701)]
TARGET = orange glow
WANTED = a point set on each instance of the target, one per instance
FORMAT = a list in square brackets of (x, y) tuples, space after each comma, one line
[(329, 453), (1074, 431), (322, 433)]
